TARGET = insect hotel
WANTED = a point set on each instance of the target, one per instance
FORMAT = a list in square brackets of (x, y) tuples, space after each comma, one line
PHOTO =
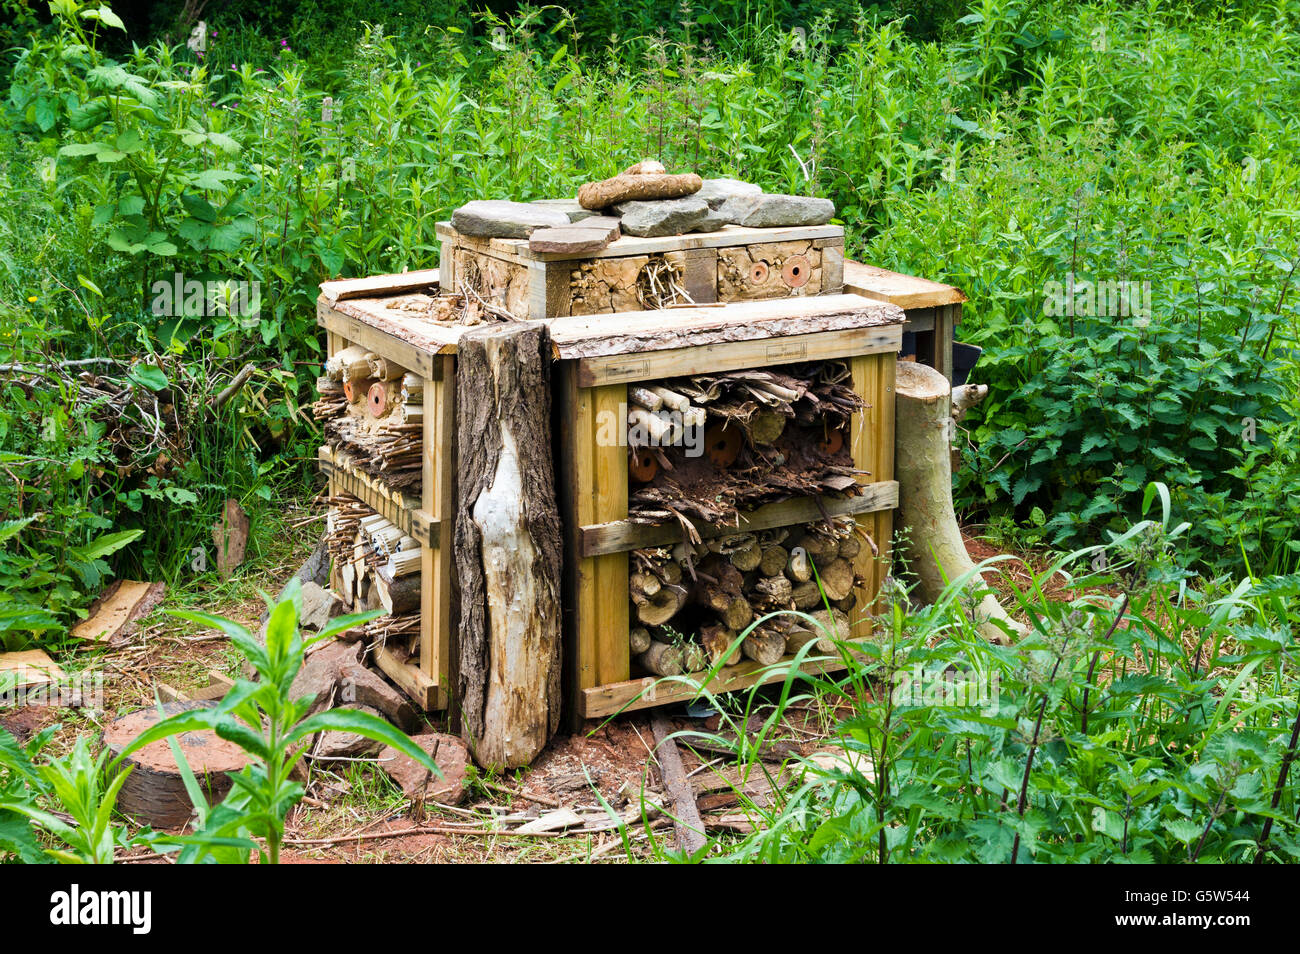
[(608, 439)]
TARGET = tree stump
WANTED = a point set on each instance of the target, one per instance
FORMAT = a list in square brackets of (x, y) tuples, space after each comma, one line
[(933, 548), (154, 792), (508, 553)]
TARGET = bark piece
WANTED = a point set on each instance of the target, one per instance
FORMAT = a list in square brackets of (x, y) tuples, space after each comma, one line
[(113, 614), (507, 544), (230, 535), (637, 186)]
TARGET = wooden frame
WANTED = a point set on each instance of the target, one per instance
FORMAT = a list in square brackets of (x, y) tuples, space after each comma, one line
[(598, 537), (933, 309), (595, 359)]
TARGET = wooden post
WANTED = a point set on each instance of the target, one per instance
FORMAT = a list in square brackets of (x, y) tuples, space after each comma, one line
[(507, 545), (437, 487), (933, 545), (871, 441)]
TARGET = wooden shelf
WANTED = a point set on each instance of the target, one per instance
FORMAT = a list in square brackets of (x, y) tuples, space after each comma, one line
[(619, 536), (632, 694), (392, 504)]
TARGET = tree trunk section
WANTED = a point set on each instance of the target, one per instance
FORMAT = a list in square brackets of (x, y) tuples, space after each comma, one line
[(932, 546), (507, 551)]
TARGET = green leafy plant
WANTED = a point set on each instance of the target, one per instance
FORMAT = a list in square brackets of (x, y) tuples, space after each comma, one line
[(273, 729)]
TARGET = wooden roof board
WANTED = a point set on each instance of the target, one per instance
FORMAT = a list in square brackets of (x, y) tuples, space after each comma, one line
[(635, 331), (905, 291), (400, 283)]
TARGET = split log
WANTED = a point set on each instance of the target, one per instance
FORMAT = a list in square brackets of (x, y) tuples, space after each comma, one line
[(351, 361), (820, 548), (357, 389), (932, 547), (765, 426), (384, 370), (799, 636), (399, 595), (508, 554), (721, 645), (806, 596), (662, 659), (775, 590), (765, 645), (694, 658), (837, 579), (638, 640), (798, 569), (660, 608), (773, 561)]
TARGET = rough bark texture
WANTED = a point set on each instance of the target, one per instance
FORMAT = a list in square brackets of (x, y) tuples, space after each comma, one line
[(640, 185), (507, 545), (932, 545)]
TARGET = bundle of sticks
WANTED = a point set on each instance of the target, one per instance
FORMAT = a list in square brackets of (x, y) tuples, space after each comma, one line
[(707, 446), (715, 589), (378, 565), (372, 409)]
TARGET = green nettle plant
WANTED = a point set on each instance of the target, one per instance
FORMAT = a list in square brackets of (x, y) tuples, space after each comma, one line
[(1159, 724), (260, 717), (272, 728)]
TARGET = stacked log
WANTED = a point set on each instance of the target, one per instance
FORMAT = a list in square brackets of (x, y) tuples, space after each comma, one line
[(704, 447), (694, 606)]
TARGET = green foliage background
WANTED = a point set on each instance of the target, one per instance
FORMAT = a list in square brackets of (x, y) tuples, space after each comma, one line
[(998, 145)]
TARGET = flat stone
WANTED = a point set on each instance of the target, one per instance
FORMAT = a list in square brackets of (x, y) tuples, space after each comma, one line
[(662, 217), (767, 210), (418, 782), (319, 606), (350, 745), (569, 207), (367, 688), (589, 235), (711, 222), (322, 672), (717, 191), (499, 218)]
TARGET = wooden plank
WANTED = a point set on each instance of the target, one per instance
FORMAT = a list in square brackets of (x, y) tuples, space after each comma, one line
[(905, 291), (945, 327), (31, 667), (437, 660), (378, 285), (871, 442), (423, 691), (640, 331), (730, 235), (619, 536), (414, 351), (391, 504), (610, 607), (732, 356), (629, 695)]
